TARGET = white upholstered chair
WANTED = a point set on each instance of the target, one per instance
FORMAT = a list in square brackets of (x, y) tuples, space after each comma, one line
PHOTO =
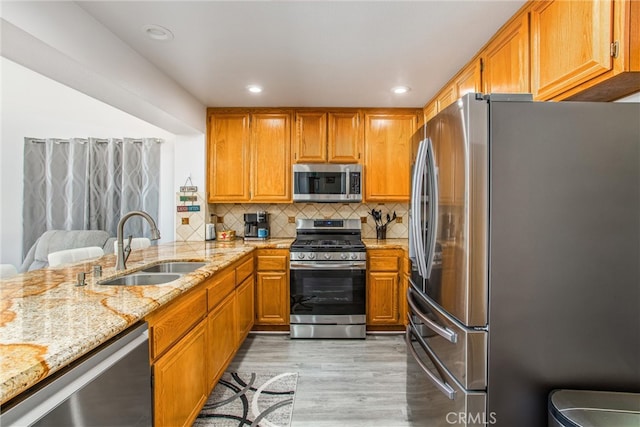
[(67, 256), (136, 243), (7, 270)]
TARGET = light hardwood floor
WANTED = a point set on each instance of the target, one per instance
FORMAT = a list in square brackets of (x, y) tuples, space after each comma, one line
[(341, 382)]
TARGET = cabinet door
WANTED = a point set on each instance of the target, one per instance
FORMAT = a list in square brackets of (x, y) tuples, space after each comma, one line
[(430, 110), (245, 307), (345, 137), (180, 388), (311, 138), (228, 158), (382, 298), (222, 338), (388, 156), (506, 59), (446, 97), (271, 157), (469, 79), (570, 44), (272, 298)]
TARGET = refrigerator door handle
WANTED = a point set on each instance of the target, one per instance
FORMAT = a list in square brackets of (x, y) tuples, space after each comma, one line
[(434, 198), (445, 388), (444, 332), (416, 202)]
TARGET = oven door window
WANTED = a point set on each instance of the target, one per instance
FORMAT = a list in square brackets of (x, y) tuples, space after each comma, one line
[(320, 183), (327, 292)]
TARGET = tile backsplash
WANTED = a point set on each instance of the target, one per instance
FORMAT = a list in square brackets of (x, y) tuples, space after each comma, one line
[(279, 215), (192, 230)]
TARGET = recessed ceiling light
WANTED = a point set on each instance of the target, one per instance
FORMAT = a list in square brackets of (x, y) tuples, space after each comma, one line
[(157, 32), (398, 90), (254, 88)]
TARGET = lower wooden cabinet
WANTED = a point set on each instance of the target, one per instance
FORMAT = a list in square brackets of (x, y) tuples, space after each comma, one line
[(272, 287), (245, 307), (180, 388), (222, 338), (193, 339), (384, 299)]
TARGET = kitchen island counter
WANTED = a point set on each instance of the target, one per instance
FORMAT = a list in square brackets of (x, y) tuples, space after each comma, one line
[(47, 322)]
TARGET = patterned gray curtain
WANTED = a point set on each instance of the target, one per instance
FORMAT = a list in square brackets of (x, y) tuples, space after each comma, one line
[(81, 184)]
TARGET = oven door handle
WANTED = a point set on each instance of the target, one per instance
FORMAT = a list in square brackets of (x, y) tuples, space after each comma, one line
[(334, 266)]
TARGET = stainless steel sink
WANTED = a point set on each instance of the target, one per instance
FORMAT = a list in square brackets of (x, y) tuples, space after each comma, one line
[(175, 267), (140, 278)]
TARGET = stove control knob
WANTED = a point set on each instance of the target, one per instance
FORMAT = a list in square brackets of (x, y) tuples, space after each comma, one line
[(343, 256), (327, 256), (354, 256), (312, 255), (300, 256)]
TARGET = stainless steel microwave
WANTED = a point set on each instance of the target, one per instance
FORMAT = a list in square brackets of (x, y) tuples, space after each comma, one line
[(327, 183)]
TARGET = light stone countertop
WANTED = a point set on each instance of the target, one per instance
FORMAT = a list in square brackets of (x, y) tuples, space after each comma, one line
[(387, 244), (46, 322)]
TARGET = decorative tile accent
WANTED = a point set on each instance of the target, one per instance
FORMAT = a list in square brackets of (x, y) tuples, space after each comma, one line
[(194, 231), (279, 216)]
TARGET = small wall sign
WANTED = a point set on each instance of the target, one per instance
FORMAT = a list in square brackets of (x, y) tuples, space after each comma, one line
[(194, 208)]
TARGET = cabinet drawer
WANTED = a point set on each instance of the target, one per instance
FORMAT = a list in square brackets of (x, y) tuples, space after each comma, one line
[(175, 321), (244, 270), (383, 263), (219, 287), (272, 262)]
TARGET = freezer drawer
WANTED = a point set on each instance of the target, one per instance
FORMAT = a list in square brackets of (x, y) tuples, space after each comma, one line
[(434, 397), (463, 351)]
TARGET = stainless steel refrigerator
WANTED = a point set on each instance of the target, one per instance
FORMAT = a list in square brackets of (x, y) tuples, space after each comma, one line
[(525, 249)]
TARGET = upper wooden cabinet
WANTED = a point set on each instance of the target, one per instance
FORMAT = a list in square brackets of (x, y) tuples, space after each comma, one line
[(228, 157), (271, 157), (326, 136), (506, 59), (345, 137), (388, 140), (430, 110), (586, 50), (249, 157), (571, 44), (599, 54), (446, 97), (469, 79), (311, 138)]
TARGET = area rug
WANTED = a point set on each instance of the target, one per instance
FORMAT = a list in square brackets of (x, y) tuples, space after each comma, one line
[(241, 399)]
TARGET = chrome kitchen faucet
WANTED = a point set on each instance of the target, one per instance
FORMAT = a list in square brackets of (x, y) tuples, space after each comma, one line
[(124, 251)]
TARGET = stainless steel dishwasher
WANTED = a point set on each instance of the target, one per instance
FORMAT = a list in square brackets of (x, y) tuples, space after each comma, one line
[(111, 386)]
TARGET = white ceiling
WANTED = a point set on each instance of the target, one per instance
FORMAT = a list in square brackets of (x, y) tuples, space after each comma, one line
[(321, 53)]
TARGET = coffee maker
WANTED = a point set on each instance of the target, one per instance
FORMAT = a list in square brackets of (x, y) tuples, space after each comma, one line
[(256, 226)]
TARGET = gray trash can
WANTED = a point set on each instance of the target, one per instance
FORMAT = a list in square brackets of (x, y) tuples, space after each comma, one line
[(583, 408)]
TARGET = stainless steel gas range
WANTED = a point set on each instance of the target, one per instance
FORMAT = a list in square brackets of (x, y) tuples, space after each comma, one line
[(328, 279)]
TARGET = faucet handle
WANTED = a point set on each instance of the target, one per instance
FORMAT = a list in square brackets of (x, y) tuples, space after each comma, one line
[(127, 249)]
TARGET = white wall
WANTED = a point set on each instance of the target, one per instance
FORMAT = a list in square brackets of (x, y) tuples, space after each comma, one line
[(631, 98), (36, 106)]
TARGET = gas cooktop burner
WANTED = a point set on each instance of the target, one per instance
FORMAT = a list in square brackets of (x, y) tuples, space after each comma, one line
[(327, 239), (307, 244)]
